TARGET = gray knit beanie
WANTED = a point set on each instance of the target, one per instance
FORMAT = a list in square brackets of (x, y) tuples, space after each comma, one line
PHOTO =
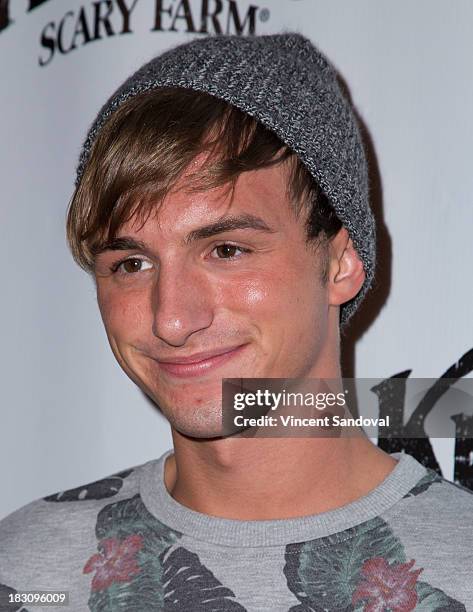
[(283, 81)]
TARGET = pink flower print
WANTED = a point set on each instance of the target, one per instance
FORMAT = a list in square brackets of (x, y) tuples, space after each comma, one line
[(115, 563), (387, 586)]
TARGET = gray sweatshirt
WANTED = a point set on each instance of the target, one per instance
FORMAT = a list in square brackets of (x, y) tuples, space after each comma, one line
[(123, 543)]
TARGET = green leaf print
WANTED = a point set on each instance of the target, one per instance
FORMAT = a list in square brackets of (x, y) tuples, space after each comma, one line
[(140, 568), (363, 568), (435, 600), (128, 570), (323, 573)]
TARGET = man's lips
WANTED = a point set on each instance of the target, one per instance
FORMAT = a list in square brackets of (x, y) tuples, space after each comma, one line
[(199, 363)]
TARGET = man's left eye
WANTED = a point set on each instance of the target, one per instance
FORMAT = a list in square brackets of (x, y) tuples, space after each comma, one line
[(228, 251)]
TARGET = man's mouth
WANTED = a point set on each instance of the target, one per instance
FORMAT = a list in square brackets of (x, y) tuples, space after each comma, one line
[(199, 363)]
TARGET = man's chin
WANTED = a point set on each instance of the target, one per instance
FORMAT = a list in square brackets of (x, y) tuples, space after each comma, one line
[(202, 432), (197, 421)]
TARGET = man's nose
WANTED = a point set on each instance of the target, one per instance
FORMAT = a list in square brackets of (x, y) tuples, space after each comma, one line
[(182, 304)]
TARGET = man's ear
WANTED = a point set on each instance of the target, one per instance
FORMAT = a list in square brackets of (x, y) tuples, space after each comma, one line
[(346, 274)]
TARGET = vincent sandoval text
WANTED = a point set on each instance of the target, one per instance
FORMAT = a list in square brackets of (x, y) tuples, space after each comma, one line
[(326, 421)]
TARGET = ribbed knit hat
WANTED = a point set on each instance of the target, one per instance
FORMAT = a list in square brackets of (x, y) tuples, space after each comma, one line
[(284, 82)]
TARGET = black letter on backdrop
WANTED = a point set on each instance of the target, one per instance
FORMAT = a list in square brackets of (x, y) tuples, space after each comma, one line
[(35, 3), (4, 14), (185, 14), (104, 19), (158, 24), (205, 15), (126, 12), (391, 401), (237, 23), (47, 43)]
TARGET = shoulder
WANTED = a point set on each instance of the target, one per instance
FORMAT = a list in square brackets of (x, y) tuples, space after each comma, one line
[(58, 530), (438, 511), (432, 530), (434, 490)]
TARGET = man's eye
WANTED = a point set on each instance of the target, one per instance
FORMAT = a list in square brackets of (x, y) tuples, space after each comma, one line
[(131, 265), (228, 251)]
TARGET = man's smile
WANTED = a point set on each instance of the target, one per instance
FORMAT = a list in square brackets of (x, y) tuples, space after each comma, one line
[(199, 363)]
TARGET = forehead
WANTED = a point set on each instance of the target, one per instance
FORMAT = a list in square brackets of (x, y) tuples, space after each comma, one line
[(262, 193)]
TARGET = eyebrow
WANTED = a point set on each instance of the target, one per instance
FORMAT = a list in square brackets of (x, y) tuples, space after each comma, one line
[(245, 221)]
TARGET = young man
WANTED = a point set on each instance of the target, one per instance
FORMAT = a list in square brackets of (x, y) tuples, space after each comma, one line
[(221, 206)]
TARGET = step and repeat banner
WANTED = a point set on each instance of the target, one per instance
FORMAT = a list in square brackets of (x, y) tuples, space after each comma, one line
[(69, 415)]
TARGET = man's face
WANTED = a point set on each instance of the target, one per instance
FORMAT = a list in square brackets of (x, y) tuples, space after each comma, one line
[(234, 281)]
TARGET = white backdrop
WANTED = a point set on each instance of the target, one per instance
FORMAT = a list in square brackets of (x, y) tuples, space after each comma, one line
[(68, 413)]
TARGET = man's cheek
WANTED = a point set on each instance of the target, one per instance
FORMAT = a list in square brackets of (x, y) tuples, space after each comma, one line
[(259, 292), (123, 315), (256, 295)]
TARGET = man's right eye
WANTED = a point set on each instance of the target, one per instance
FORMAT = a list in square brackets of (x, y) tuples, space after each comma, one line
[(130, 265)]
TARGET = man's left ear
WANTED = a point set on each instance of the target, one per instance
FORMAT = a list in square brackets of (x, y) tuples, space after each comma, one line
[(346, 274)]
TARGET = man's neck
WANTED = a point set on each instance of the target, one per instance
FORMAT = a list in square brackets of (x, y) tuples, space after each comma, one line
[(276, 478), (265, 479)]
